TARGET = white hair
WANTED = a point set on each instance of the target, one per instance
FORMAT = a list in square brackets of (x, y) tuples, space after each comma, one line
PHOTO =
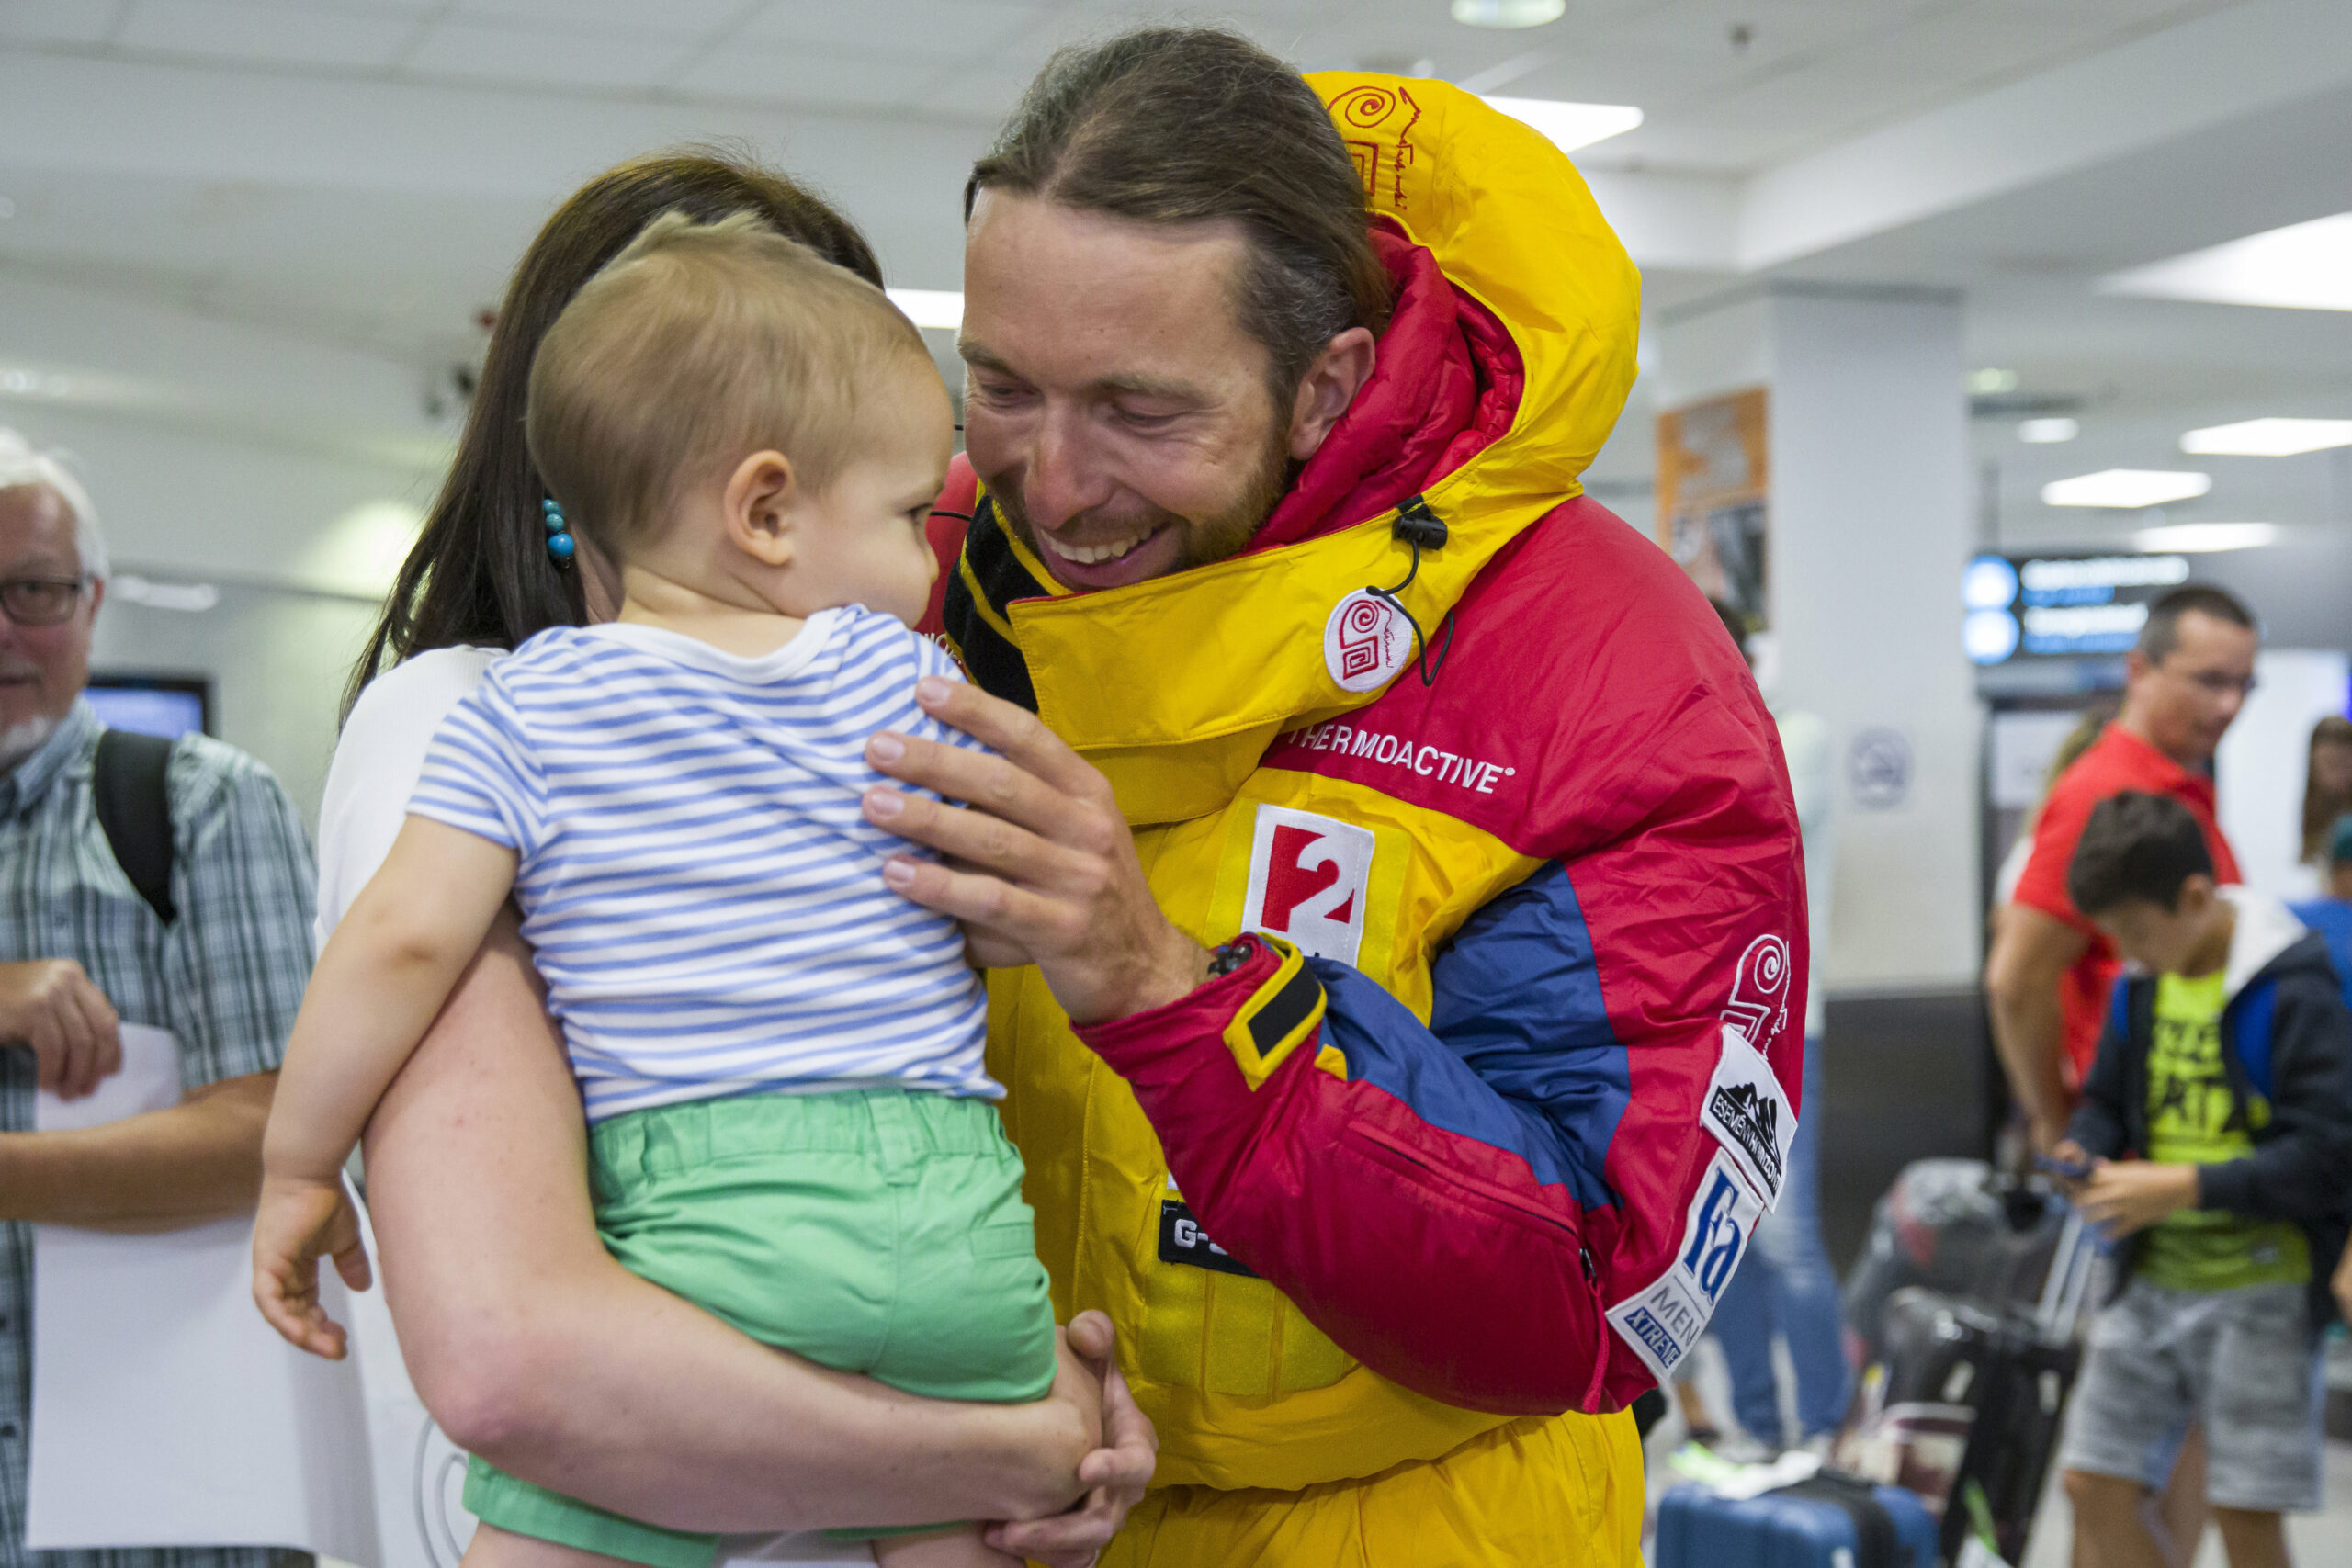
[(22, 463)]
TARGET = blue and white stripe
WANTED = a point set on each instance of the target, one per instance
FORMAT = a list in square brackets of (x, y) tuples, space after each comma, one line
[(704, 896)]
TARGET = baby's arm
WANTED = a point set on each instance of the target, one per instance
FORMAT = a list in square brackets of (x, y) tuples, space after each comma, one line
[(378, 988)]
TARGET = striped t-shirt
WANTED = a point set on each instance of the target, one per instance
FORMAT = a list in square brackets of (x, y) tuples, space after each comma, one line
[(704, 896)]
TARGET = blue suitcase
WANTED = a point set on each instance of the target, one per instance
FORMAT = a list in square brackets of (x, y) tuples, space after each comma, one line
[(1826, 1522)]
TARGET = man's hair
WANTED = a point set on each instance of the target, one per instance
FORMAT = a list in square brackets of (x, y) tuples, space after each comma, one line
[(2160, 633), (1196, 125), (22, 463), (2136, 846), (700, 343)]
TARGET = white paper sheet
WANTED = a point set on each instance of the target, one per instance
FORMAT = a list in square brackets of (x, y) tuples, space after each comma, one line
[(165, 1412)]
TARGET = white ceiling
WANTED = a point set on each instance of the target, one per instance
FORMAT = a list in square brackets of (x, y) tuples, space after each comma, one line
[(365, 171), (1731, 85)]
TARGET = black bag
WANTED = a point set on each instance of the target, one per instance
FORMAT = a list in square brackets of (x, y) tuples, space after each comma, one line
[(1955, 1226), (1968, 1398), (131, 789)]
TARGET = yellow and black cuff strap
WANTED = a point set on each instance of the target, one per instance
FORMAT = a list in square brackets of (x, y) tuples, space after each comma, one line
[(1285, 1009)]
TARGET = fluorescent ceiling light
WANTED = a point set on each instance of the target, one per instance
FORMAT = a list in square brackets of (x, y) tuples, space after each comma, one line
[(1990, 383), (2048, 431), (2125, 488), (1508, 13), (2206, 536), (2269, 437), (2305, 266), (1570, 126), (941, 308), (189, 598)]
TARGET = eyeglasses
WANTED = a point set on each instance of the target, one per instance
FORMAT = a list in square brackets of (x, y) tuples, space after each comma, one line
[(2215, 684), (40, 601)]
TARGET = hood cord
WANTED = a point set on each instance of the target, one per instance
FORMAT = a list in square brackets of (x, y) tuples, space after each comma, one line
[(1418, 527)]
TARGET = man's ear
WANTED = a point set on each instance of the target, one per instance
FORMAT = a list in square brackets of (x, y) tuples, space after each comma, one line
[(2196, 895), (759, 504), (1329, 384)]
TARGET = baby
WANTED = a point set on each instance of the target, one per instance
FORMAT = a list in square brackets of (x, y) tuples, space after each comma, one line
[(780, 1057)]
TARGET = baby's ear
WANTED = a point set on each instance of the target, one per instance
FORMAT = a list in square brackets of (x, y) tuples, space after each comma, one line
[(763, 496)]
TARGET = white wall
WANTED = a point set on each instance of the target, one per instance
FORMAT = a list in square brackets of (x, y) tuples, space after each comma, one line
[(2260, 770), (284, 471), (1869, 528)]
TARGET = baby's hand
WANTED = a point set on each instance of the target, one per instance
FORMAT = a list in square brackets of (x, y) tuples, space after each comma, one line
[(299, 1223)]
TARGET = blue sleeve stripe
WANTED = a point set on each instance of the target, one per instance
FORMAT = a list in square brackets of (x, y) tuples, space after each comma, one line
[(1526, 1061)]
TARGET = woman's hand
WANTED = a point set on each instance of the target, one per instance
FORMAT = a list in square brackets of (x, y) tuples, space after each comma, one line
[(1116, 1474)]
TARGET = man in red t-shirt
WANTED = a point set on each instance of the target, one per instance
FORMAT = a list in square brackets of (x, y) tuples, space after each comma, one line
[(2049, 974)]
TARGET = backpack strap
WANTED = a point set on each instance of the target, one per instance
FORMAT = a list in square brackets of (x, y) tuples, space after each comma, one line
[(2251, 1032), (131, 791)]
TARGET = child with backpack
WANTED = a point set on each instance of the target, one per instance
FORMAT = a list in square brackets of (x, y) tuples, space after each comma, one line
[(2214, 1138)]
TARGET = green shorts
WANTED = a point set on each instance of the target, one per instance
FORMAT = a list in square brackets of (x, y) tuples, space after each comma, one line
[(874, 1230)]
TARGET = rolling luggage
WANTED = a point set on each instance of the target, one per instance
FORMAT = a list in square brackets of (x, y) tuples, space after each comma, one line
[(1830, 1521), (1955, 1226), (1965, 1406)]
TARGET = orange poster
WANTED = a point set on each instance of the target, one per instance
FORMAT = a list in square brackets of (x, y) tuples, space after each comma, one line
[(1713, 499)]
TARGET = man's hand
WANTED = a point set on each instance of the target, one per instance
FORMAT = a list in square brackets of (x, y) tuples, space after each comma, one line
[(1116, 1474), (51, 1006), (1041, 868), (2123, 1196), (299, 1223), (2032, 953)]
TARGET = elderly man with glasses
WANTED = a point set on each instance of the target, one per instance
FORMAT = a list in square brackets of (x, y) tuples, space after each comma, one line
[(220, 962)]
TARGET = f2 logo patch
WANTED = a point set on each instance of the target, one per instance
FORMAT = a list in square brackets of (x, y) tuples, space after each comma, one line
[(1310, 878), (1716, 1238), (1661, 1323)]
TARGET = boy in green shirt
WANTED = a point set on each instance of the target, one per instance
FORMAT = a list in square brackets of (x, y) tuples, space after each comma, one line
[(2227, 1068)]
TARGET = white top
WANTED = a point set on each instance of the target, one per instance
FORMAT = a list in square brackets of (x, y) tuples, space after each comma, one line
[(376, 763), (1813, 780), (699, 885)]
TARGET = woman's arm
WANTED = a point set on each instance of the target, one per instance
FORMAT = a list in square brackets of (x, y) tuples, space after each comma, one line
[(533, 1348)]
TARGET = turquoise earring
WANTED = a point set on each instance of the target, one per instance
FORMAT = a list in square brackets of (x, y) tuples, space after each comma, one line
[(559, 545)]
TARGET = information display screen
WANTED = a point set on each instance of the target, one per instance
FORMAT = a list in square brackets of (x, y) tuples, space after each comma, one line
[(2061, 606), (167, 706)]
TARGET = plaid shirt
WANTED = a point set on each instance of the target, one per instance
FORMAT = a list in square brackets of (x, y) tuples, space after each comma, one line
[(226, 978)]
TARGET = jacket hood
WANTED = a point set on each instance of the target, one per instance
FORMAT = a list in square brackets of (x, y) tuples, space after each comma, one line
[(1503, 369), (2268, 940)]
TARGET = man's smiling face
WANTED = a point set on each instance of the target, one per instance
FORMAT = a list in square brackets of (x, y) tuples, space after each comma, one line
[(1117, 411)]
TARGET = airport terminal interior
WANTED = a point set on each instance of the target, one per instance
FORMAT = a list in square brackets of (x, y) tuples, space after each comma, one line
[(1968, 332)]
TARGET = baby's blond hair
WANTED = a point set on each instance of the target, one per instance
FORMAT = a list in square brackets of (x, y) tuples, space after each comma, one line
[(699, 345)]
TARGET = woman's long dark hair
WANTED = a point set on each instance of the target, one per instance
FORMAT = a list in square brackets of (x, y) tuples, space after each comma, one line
[(2323, 807), (479, 572)]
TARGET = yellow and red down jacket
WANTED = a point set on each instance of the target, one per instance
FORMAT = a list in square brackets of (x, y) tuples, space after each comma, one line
[(1481, 1129)]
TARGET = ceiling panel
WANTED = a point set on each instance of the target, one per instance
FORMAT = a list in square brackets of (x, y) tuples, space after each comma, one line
[(304, 35), (658, 19), (549, 55), (938, 29), (798, 77), (60, 21)]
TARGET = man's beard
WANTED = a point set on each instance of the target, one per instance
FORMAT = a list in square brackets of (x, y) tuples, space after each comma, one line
[(24, 737), (1207, 539)]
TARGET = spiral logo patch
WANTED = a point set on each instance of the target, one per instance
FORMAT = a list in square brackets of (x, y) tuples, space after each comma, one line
[(1366, 642)]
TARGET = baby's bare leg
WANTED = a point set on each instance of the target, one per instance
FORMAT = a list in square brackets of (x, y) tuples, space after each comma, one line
[(958, 1547), (495, 1547)]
